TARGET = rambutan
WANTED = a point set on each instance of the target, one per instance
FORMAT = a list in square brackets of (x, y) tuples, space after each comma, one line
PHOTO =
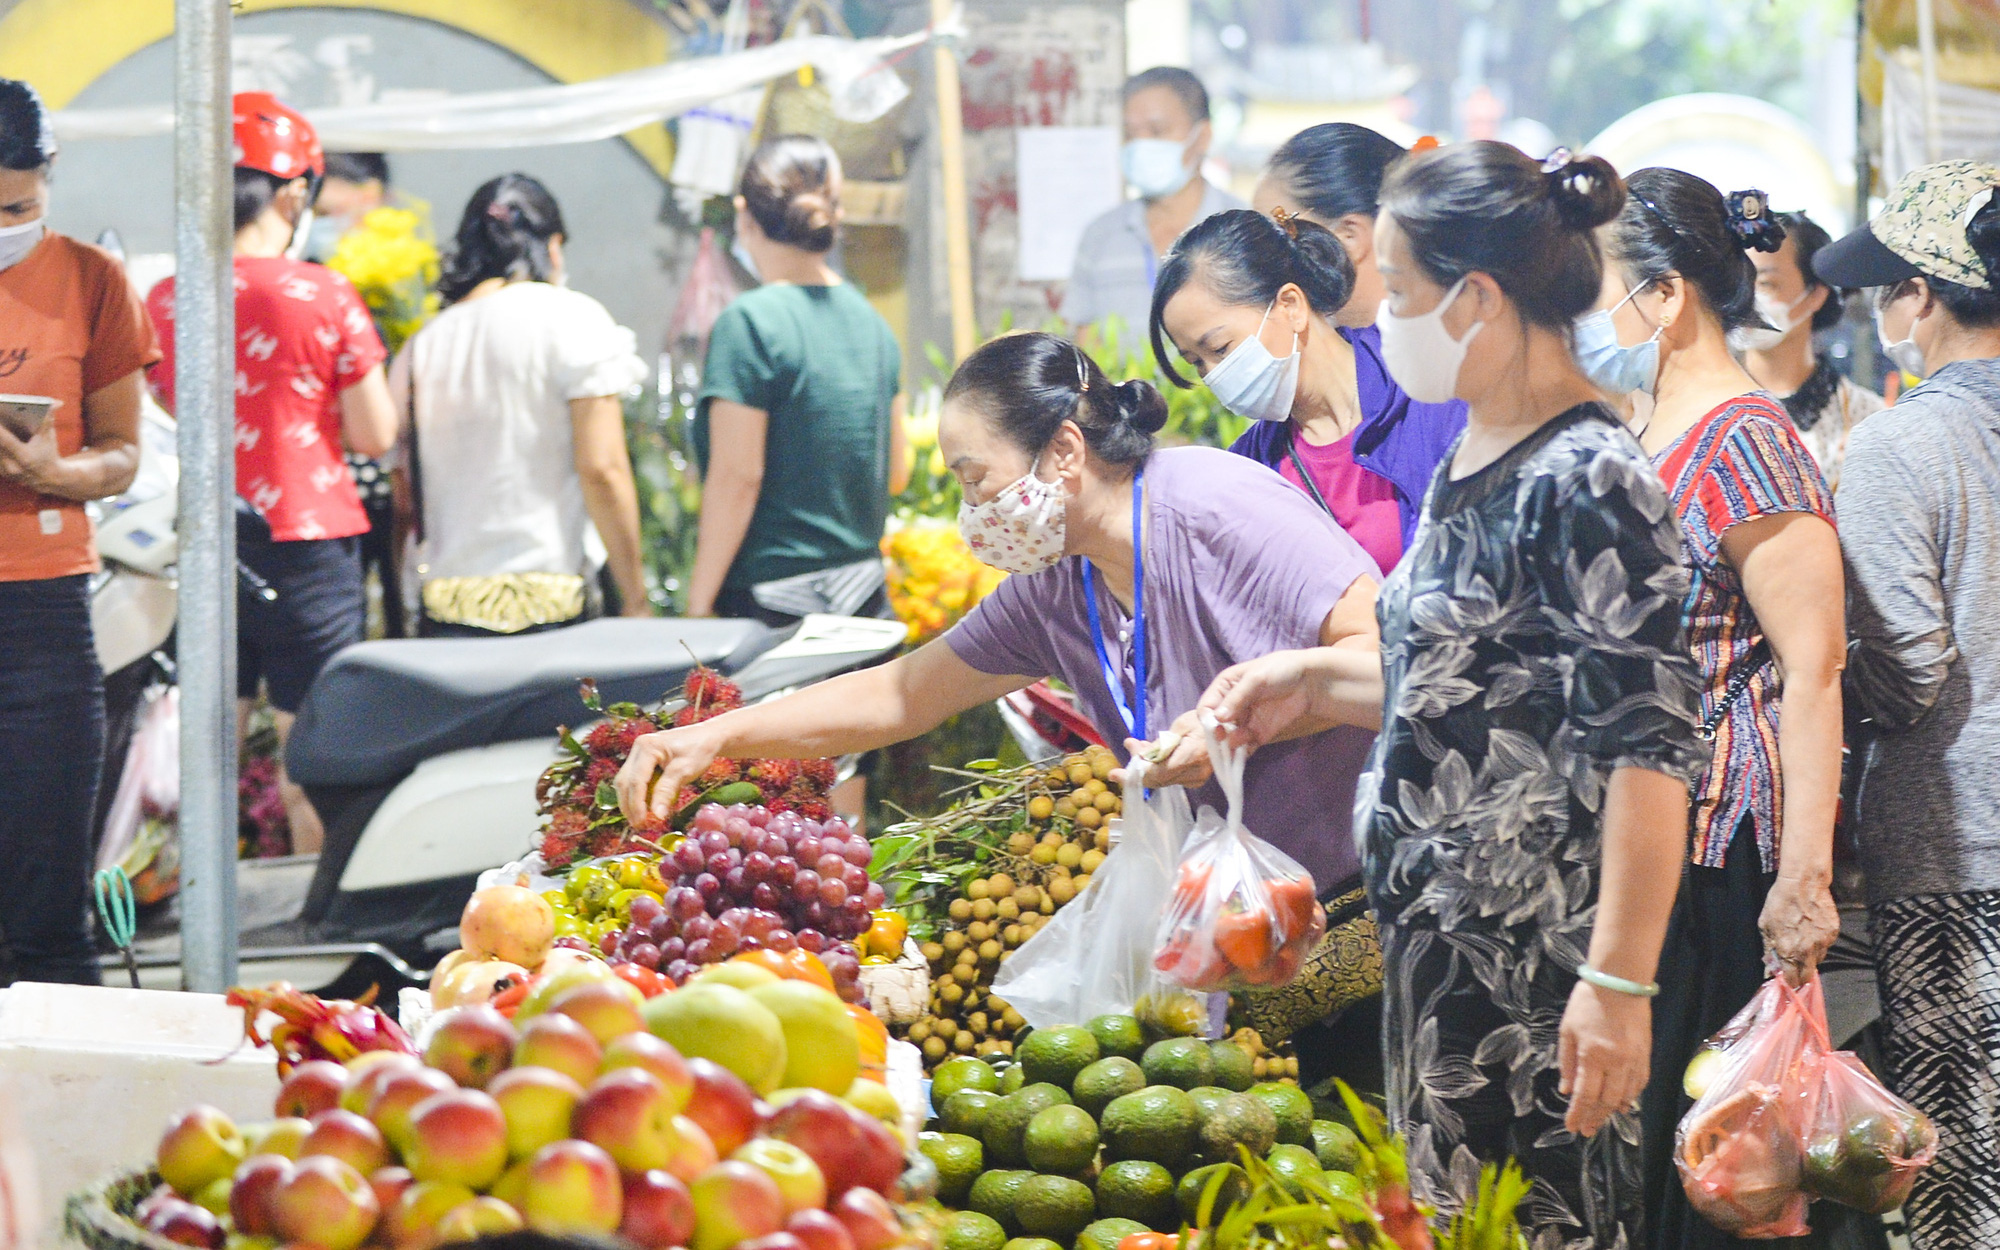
[(603, 737), (711, 691), (780, 805), (630, 731), (720, 773), (599, 772), (823, 772), (776, 774), (689, 715), (816, 809), (569, 823)]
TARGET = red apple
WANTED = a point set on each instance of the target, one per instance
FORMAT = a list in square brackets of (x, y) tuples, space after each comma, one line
[(693, 1152), (537, 1103), (780, 1240), (325, 1203), (412, 1224), (257, 1179), (390, 1184), (277, 1137), (819, 1230), (561, 1044), (184, 1222), (313, 1087), (482, 1217), (398, 1095), (869, 1219), (850, 1147), (798, 1177), (643, 1050), (471, 1044), (572, 1187), (631, 1116), (723, 1104), (658, 1211), (201, 1146), (734, 1202), (460, 1136), (608, 1008), (367, 1072), (348, 1137)]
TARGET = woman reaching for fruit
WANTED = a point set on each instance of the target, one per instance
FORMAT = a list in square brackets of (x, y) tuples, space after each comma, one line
[(1140, 575), (1528, 792)]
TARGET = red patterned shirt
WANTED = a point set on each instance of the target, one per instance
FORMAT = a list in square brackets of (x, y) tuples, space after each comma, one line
[(1742, 461), (302, 336)]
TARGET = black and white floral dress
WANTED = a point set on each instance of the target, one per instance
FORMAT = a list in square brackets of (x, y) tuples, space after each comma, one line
[(1532, 644)]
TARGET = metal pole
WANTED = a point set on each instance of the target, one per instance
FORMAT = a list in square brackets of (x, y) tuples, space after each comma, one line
[(205, 406), (957, 213), (1927, 55)]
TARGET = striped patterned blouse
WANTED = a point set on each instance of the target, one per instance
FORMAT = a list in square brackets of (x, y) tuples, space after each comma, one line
[(1742, 461)]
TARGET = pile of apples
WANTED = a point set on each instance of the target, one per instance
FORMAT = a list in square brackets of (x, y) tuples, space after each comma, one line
[(581, 1121)]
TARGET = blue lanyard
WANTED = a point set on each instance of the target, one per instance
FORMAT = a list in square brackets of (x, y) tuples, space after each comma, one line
[(1133, 711)]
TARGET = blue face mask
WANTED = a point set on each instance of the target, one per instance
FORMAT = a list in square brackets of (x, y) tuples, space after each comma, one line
[(1156, 167), (1611, 365)]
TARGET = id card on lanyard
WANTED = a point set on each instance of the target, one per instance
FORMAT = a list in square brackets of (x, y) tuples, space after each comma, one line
[(1132, 710)]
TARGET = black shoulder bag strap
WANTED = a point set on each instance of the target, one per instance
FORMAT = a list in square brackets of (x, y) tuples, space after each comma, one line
[(1312, 488), (416, 462)]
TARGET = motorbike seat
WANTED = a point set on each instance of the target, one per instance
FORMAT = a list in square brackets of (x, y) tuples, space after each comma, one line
[(381, 708)]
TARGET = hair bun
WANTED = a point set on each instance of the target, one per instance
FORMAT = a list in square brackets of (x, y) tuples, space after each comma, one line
[(1752, 221), (1140, 405), (1586, 189)]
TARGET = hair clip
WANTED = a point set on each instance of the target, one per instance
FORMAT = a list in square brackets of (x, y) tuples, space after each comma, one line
[(1425, 143), (1082, 378), (1750, 220), (505, 214), (1557, 161), (1287, 222)]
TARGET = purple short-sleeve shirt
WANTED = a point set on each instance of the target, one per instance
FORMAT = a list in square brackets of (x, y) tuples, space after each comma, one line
[(1238, 564)]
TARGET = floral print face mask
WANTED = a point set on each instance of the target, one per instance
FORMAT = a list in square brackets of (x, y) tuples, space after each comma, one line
[(1019, 530)]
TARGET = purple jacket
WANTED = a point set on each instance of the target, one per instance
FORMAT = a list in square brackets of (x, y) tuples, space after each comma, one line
[(1399, 439)]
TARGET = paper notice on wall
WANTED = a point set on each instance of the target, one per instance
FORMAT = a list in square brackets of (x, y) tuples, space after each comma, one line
[(1065, 177)]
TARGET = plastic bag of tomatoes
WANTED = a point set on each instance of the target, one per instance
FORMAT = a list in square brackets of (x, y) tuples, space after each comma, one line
[(1243, 915)]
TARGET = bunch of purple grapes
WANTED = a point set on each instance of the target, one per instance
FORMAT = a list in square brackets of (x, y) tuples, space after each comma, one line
[(750, 880)]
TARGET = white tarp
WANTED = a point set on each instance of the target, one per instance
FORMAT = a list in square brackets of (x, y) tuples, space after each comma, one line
[(856, 74), (1968, 121)]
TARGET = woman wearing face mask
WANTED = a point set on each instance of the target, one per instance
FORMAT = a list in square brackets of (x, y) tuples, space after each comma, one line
[(513, 396), (1795, 304), (73, 330), (1253, 304), (1332, 174), (1528, 791), (1920, 527), (1138, 576), (1764, 621)]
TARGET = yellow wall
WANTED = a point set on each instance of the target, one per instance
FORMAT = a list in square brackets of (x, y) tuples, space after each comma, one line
[(62, 46)]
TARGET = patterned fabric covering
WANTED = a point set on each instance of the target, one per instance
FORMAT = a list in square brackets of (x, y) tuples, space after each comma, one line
[(1740, 462), (1532, 645), (1938, 961), (1924, 219), (506, 603)]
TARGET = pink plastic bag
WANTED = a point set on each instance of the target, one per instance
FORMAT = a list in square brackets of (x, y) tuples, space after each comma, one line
[(708, 290), (1243, 913), (1739, 1148), (1863, 1145)]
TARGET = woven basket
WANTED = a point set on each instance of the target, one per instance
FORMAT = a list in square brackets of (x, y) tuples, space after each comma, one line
[(100, 1217)]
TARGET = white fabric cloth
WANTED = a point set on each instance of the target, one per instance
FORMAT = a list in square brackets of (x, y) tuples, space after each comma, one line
[(494, 377), (858, 78), (1968, 119)]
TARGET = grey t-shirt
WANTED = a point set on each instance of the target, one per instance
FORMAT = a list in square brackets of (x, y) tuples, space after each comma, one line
[(1115, 265), (1238, 564), (1919, 514)]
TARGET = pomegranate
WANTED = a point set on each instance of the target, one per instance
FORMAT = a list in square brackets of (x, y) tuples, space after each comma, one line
[(477, 982), (508, 922)]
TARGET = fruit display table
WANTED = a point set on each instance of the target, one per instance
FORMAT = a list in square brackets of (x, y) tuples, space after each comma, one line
[(91, 1074)]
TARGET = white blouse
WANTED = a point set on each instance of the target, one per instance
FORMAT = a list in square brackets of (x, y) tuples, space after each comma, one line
[(494, 377)]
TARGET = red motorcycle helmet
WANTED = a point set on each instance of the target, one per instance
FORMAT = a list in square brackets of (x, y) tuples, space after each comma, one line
[(275, 138)]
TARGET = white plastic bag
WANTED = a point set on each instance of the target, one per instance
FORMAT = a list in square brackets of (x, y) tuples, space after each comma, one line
[(149, 789), (1095, 957)]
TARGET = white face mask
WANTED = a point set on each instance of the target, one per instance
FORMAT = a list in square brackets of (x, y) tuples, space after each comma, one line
[(1782, 318), (1421, 355), (1253, 383), (1019, 530), (302, 234), (1904, 353), (17, 241), (1614, 366), (1156, 167), (745, 259)]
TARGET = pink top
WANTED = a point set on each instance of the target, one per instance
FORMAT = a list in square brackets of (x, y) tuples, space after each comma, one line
[(1364, 503)]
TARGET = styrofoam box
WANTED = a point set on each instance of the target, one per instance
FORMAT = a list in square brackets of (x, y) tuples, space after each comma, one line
[(91, 1076)]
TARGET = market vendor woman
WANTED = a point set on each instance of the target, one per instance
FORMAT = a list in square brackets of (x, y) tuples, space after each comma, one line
[(1135, 571)]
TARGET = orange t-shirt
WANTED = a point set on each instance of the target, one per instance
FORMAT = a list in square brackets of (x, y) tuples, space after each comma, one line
[(70, 324)]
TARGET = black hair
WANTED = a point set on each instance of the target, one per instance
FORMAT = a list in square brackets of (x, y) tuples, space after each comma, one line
[(1807, 237), (255, 190), (1485, 206), (791, 185), (1028, 384), (1185, 86), (504, 233), (1970, 305), (1246, 258), (1336, 168), (1674, 222), (27, 138), (357, 167)]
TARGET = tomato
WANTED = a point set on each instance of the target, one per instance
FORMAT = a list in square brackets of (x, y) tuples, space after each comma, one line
[(642, 978), (1244, 937), (509, 999), (1192, 886), (1292, 899), (1149, 1241)]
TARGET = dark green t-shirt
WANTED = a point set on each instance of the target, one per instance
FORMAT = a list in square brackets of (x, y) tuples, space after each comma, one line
[(826, 367)]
